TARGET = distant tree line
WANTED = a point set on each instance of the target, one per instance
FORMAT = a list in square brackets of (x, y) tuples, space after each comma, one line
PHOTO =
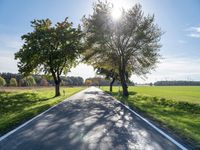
[(177, 83), (10, 79)]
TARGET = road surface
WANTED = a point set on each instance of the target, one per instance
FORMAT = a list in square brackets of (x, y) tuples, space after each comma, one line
[(89, 120)]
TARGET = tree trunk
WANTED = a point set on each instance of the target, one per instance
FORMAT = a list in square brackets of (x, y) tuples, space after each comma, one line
[(111, 84), (125, 89), (57, 82), (124, 84), (57, 89)]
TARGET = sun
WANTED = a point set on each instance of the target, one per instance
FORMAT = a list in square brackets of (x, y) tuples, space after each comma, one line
[(116, 13), (119, 6)]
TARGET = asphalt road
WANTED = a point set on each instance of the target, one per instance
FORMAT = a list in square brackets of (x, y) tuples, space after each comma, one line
[(89, 120)]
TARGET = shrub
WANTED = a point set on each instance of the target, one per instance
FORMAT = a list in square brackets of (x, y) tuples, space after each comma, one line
[(30, 81), (2, 81), (13, 82)]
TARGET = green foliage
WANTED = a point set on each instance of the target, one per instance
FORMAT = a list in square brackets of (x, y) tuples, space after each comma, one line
[(2, 81), (129, 45), (29, 81), (50, 49), (13, 82), (20, 105)]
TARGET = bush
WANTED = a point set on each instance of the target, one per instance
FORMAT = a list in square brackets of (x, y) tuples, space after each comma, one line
[(13, 82), (2, 81), (30, 81)]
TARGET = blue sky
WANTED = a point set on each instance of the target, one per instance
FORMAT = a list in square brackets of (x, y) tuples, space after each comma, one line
[(179, 19)]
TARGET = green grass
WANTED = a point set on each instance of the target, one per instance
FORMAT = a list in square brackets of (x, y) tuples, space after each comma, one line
[(178, 93), (19, 105), (174, 108)]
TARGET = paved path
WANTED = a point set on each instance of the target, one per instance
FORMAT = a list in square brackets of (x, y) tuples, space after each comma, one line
[(92, 120)]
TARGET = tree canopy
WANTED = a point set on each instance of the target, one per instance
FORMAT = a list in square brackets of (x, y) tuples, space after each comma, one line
[(131, 43), (52, 50)]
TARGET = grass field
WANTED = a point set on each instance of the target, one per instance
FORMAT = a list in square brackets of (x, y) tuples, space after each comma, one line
[(174, 108), (178, 93), (18, 105)]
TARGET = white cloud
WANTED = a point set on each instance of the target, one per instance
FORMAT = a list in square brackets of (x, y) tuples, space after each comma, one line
[(197, 29), (194, 32), (194, 35)]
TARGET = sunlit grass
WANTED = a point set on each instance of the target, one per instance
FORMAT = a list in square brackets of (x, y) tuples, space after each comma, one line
[(19, 105), (178, 93)]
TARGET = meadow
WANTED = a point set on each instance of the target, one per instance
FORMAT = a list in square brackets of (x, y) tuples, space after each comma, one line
[(17, 105), (175, 108), (189, 94)]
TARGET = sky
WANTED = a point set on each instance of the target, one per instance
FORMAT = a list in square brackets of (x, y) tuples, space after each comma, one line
[(178, 19)]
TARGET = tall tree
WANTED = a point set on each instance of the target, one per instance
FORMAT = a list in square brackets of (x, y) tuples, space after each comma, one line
[(132, 40), (52, 50)]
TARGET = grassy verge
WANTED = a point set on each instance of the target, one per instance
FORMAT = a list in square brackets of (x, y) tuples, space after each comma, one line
[(180, 117), (19, 105)]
